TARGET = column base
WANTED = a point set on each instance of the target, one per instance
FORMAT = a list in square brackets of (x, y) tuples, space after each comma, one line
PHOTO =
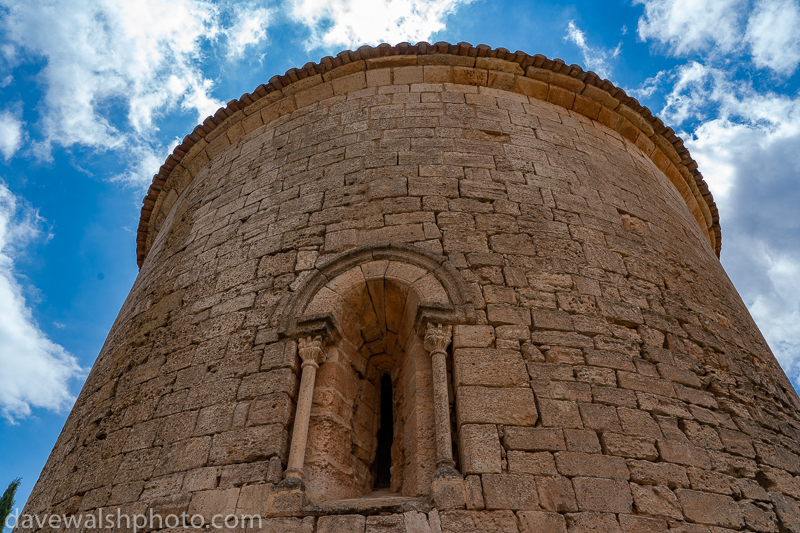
[(448, 490), (288, 498)]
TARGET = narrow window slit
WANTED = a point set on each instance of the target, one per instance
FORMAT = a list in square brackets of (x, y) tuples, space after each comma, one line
[(383, 457)]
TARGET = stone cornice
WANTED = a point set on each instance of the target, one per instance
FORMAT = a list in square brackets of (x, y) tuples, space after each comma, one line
[(532, 75)]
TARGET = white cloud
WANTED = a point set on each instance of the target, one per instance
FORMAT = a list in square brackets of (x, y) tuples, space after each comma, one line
[(596, 59), (691, 25), (36, 371), (11, 134), (773, 33), (768, 29), (112, 68), (353, 23), (249, 28)]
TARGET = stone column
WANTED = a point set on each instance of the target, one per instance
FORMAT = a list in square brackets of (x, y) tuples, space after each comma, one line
[(312, 355), (437, 338)]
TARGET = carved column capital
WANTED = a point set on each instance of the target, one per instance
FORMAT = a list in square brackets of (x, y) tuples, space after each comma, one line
[(310, 351), (437, 338)]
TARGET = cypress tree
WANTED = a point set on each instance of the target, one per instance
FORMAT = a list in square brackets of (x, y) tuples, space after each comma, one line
[(7, 502)]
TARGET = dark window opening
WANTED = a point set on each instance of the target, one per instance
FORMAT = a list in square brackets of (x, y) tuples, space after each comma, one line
[(383, 457)]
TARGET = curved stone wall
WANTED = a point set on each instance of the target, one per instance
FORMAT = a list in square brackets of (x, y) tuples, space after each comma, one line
[(602, 374)]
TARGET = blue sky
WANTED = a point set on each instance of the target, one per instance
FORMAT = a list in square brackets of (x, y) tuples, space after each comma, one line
[(95, 93)]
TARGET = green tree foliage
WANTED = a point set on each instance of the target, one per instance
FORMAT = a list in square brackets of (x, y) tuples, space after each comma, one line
[(7, 502)]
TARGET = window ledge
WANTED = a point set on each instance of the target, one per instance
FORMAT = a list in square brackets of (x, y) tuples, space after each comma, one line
[(371, 504)]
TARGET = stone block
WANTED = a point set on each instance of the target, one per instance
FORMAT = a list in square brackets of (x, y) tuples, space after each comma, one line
[(759, 517), (620, 313), (349, 523), (591, 522), (737, 442), (638, 423), (184, 455), (537, 463), (778, 456), (484, 405), (546, 319), (506, 314), (656, 500), (642, 524), (416, 522), (473, 336), (534, 439), (560, 413), (478, 522), (650, 473), (582, 440), (474, 493), (574, 464), (448, 491), (625, 446), (678, 375), (394, 523), (287, 498), (480, 449), (683, 454), (779, 481), (539, 522), (201, 479), (510, 491), (208, 503), (634, 381), (556, 494), (602, 495), (253, 499), (601, 418), (247, 445), (710, 509), (489, 367), (788, 512), (707, 481)]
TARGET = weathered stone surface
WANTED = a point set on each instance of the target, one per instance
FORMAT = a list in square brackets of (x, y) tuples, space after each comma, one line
[(341, 524), (534, 439), (535, 521), (642, 524), (510, 491), (208, 503), (538, 463), (386, 524), (480, 447), (478, 522), (602, 495), (253, 500), (483, 405), (592, 522), (646, 472), (246, 445), (556, 494), (656, 500), (711, 509), (488, 367), (592, 465)]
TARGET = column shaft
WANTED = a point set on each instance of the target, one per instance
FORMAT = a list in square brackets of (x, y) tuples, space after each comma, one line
[(310, 350), (437, 338), (302, 417), (441, 403)]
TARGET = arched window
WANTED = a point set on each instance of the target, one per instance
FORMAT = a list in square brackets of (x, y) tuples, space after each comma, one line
[(373, 419)]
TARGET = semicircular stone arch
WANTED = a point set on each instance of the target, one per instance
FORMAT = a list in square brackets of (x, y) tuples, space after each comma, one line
[(442, 294)]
